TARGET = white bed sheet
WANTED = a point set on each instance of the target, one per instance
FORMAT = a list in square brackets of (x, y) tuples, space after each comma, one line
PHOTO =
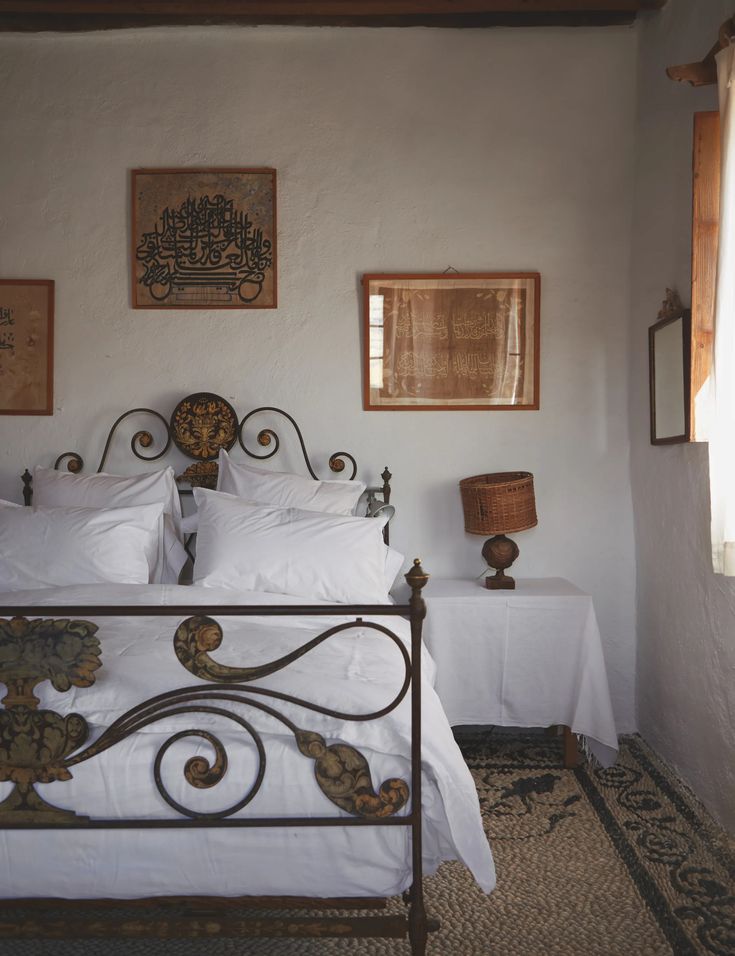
[(352, 674)]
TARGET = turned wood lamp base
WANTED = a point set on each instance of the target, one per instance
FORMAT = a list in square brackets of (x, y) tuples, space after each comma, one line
[(500, 552)]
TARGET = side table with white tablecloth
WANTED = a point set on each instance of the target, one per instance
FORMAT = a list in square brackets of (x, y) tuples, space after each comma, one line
[(531, 657)]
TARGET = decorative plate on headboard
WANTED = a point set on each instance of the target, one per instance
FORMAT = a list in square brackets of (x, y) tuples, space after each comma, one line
[(203, 423)]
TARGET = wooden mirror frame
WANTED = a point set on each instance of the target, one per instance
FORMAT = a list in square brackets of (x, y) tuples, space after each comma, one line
[(671, 312)]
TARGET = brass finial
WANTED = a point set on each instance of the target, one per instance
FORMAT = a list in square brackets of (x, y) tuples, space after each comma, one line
[(417, 577)]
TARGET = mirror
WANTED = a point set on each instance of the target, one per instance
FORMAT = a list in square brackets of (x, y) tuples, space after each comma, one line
[(668, 354)]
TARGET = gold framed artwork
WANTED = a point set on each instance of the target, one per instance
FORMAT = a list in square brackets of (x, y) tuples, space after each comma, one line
[(451, 341), (26, 346), (204, 239)]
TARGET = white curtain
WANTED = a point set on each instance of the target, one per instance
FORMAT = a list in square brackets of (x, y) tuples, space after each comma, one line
[(722, 423)]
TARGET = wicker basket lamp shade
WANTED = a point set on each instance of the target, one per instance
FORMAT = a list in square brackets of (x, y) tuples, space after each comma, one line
[(496, 504)]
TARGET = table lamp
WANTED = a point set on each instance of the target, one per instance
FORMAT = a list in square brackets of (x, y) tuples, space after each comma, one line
[(497, 504)]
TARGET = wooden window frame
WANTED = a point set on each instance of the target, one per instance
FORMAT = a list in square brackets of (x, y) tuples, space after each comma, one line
[(705, 235)]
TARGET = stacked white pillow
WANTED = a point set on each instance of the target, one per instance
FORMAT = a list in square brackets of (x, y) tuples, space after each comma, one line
[(320, 557), (283, 533), (285, 490), (46, 547), (58, 489)]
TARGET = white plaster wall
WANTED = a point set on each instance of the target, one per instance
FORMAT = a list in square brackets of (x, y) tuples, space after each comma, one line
[(686, 614), (396, 150)]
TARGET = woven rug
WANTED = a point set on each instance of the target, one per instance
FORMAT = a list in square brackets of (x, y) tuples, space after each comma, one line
[(619, 862)]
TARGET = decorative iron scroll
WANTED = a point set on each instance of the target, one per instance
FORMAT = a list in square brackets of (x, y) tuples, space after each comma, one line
[(267, 435), (197, 636), (39, 746), (141, 439), (343, 775)]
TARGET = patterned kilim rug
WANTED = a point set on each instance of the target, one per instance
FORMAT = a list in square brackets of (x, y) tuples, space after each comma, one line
[(619, 862)]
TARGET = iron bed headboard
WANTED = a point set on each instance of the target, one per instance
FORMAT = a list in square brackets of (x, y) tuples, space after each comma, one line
[(199, 426)]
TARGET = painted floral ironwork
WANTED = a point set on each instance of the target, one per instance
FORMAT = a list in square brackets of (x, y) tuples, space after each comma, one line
[(202, 424), (64, 652), (40, 746), (34, 744)]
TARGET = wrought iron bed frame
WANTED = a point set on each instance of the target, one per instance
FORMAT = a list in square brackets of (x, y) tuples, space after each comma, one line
[(40, 746)]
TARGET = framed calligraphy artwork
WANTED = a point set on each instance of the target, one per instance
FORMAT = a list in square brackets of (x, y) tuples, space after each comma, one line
[(461, 341), (204, 239), (26, 346)]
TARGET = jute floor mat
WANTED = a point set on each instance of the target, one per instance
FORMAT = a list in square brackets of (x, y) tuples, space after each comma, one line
[(619, 862)]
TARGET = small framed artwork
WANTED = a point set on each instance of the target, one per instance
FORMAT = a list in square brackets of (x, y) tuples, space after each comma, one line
[(204, 239), (26, 346), (669, 367), (451, 341)]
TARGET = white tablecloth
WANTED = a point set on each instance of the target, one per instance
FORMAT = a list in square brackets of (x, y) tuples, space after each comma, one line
[(531, 657)]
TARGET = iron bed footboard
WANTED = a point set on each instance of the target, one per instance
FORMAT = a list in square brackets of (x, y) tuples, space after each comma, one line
[(38, 746)]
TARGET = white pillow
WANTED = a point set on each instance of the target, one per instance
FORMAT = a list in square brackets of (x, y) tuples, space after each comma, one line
[(394, 560), (335, 558), (287, 491), (47, 547), (393, 563), (53, 489)]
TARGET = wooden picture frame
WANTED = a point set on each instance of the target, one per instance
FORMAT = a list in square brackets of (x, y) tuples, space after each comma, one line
[(451, 341), (26, 346), (204, 239), (669, 368)]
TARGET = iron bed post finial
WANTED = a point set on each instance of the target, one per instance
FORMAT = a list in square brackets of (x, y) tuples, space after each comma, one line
[(386, 476), (417, 579)]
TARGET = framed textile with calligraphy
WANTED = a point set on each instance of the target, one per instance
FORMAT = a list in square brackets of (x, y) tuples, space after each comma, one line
[(460, 341), (26, 346), (204, 239)]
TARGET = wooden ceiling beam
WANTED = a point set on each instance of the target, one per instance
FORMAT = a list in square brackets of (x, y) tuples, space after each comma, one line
[(704, 72), (75, 15)]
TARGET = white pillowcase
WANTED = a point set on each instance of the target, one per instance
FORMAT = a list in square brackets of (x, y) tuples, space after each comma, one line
[(287, 491), (322, 557), (393, 563), (46, 547), (53, 489)]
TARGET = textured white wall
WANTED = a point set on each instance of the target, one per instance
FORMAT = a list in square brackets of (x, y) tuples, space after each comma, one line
[(396, 150), (686, 614)]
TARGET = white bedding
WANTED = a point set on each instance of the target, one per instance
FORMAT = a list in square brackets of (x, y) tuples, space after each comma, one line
[(347, 673)]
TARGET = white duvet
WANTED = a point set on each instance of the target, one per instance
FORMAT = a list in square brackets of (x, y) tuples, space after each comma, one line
[(355, 673)]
